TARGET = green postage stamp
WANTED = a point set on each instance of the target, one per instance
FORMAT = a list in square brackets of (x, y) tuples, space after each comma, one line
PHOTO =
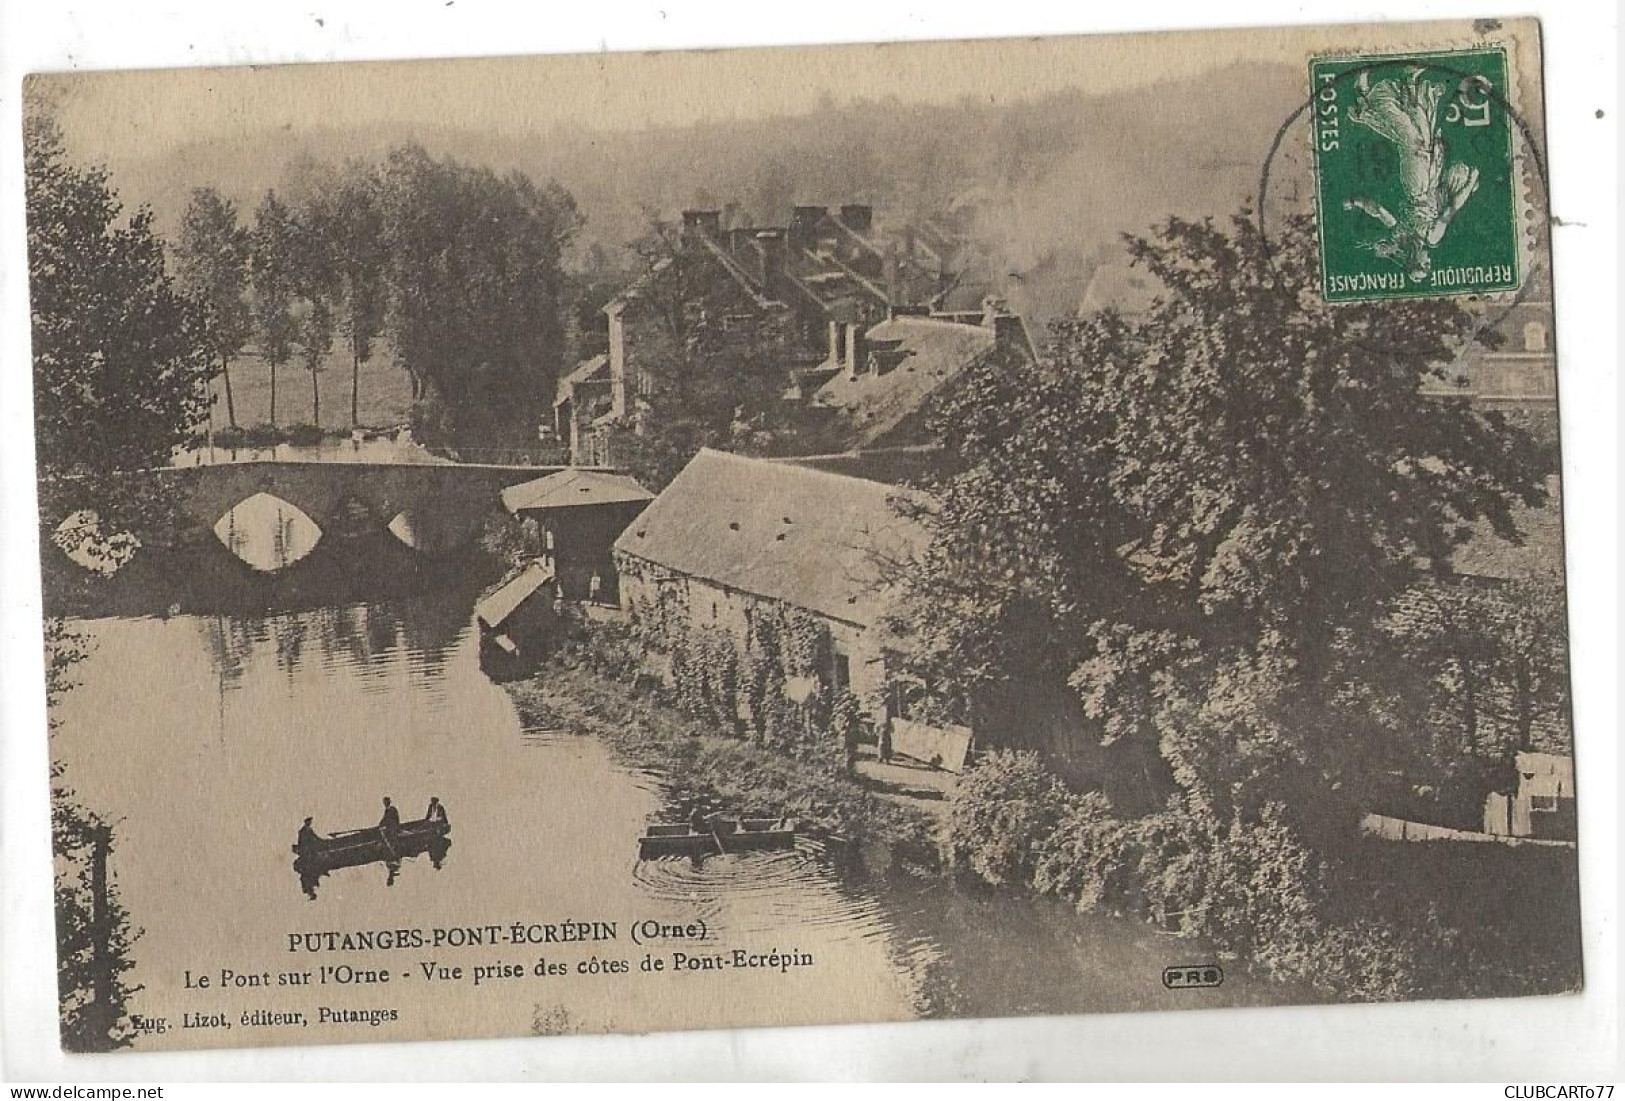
[(1414, 175)]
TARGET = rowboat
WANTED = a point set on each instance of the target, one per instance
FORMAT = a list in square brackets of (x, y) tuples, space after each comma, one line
[(722, 835), (353, 847)]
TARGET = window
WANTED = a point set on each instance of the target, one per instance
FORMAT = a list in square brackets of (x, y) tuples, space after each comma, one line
[(1534, 337), (1543, 803), (842, 672)]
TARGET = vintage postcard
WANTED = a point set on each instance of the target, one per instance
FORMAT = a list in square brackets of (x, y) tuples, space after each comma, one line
[(783, 536)]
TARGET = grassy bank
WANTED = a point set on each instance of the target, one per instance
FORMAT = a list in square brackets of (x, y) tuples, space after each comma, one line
[(695, 762), (385, 397)]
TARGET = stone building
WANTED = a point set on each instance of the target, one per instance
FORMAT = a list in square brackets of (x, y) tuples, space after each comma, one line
[(794, 299), (733, 539), (882, 396)]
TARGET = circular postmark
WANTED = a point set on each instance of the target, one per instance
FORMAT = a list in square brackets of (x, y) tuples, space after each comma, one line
[(1428, 177), (1397, 191)]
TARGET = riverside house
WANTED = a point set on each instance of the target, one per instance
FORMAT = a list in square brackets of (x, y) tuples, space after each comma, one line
[(735, 540)]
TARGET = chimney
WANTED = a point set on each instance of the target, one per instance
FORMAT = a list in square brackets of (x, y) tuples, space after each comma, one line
[(992, 307), (854, 349), (804, 225), (771, 242), (739, 239), (858, 217), (699, 224), (618, 382)]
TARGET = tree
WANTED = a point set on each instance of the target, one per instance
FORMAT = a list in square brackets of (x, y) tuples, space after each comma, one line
[(121, 367), (1494, 658), (476, 292), (1198, 517), (274, 268), (344, 221), (122, 359), (704, 376), (318, 282), (212, 267)]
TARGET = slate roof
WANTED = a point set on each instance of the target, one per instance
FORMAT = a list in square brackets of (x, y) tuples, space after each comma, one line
[(569, 488), (922, 353), (505, 598), (822, 542)]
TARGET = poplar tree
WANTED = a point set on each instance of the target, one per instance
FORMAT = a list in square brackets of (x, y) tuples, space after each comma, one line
[(212, 267)]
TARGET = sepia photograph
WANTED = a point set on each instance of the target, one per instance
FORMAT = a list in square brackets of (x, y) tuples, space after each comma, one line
[(649, 541)]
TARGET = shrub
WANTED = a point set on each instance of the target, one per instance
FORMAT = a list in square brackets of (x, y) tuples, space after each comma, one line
[(263, 435), (612, 650), (304, 435), (1248, 886), (1087, 858), (1001, 811)]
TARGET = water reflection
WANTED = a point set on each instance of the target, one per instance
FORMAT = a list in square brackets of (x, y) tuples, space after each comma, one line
[(267, 532), (362, 641), (229, 728)]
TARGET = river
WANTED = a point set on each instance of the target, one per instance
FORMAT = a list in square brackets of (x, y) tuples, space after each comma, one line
[(207, 739)]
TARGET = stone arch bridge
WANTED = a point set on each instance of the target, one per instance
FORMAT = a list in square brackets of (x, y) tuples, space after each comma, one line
[(445, 503), (384, 529)]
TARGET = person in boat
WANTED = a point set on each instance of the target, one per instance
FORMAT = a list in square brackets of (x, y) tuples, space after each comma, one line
[(308, 838), (698, 820), (390, 823), (436, 811)]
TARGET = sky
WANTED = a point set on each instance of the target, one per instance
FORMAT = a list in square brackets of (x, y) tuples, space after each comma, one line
[(135, 113)]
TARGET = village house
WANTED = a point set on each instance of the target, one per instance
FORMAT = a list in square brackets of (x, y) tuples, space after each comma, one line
[(1519, 372), (796, 298), (733, 539), (570, 519), (1542, 806), (881, 398), (576, 516)]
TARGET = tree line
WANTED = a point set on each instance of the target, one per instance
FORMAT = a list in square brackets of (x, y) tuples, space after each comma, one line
[(457, 268)]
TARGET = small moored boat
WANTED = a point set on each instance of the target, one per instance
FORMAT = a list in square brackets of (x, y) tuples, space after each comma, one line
[(721, 835)]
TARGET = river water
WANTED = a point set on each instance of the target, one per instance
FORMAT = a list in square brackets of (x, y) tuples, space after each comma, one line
[(207, 739)]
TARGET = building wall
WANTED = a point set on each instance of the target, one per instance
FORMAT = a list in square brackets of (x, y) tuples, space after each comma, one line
[(716, 607)]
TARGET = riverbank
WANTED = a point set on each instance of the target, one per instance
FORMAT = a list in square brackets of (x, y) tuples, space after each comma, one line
[(696, 763)]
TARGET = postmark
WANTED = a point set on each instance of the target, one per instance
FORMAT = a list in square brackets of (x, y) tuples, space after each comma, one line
[(1415, 178)]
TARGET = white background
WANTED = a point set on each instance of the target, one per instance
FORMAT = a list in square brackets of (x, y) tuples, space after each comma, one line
[(1531, 1040)]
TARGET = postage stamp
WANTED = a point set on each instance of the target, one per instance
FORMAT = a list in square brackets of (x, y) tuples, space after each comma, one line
[(1414, 175)]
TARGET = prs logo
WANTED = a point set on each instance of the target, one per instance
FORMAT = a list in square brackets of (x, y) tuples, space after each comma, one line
[(1193, 977)]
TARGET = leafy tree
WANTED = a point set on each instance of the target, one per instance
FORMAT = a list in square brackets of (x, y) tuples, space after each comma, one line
[(702, 380), (121, 368), (121, 358), (318, 280), (476, 291), (275, 277), (344, 219), (1494, 658), (1197, 517), (212, 267)]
